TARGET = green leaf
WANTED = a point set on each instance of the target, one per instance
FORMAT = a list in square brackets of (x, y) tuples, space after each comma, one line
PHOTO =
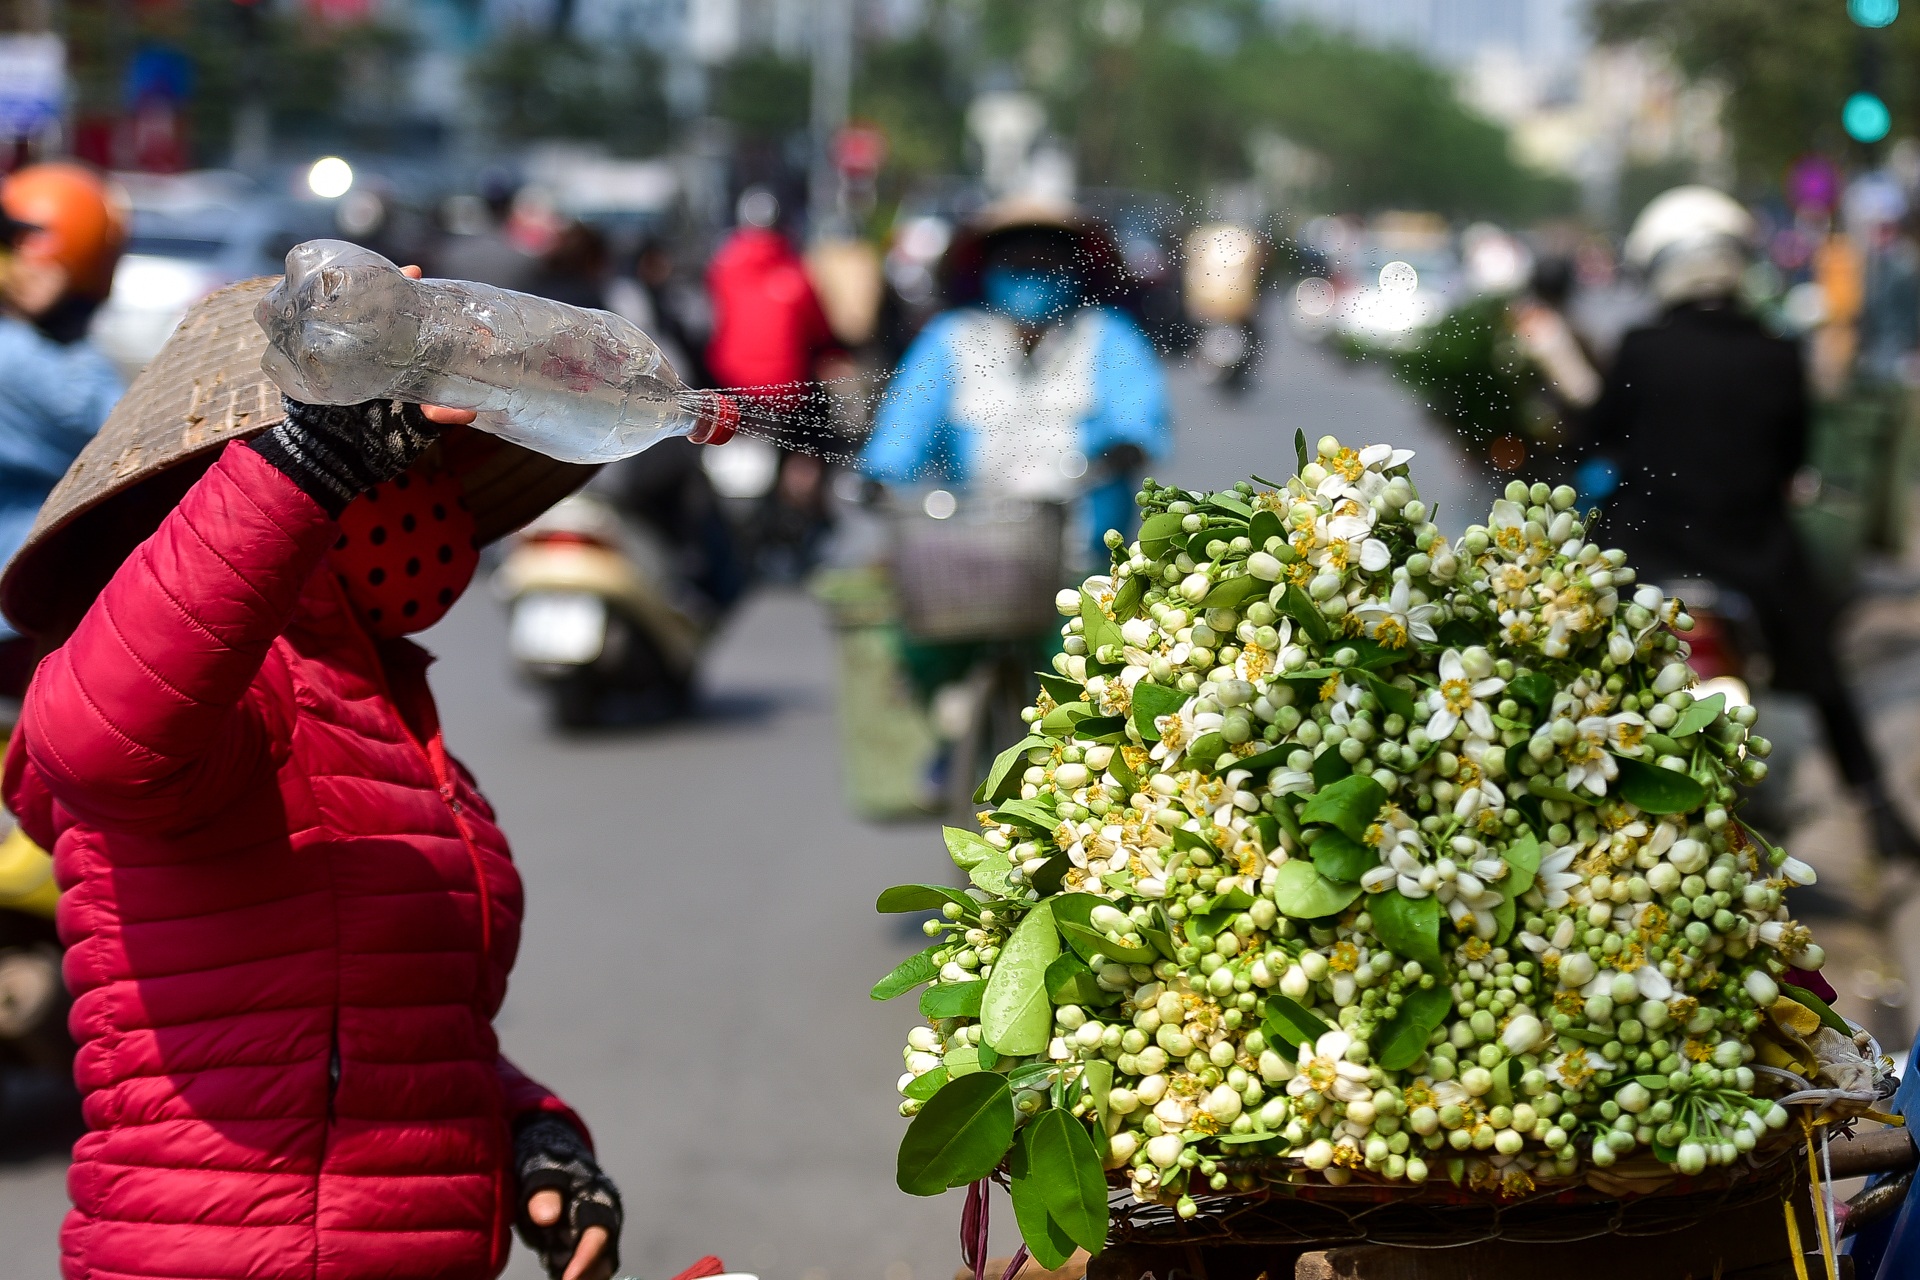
[(1160, 936), (1264, 525), (926, 1085), (1061, 689), (1117, 766), (1409, 926), (1204, 750), (1069, 981), (1329, 767), (1015, 1015), (992, 875), (1101, 728), (967, 848), (1150, 702), (1699, 715), (960, 1136), (1127, 600), (1027, 813), (907, 975), (1045, 1239), (1350, 804), (1204, 926), (1157, 532), (1090, 942), (1523, 855), (1300, 447), (1401, 1042), (1303, 893), (1232, 505), (1296, 604), (1233, 592), (1289, 1022), (1060, 721), (1656, 790), (1062, 1163), (1245, 1139), (1033, 1075), (921, 897), (1536, 689), (1391, 695), (1003, 779), (1100, 629), (1339, 857), (1262, 763), (952, 1000), (1097, 1076), (964, 1060), (1046, 881)]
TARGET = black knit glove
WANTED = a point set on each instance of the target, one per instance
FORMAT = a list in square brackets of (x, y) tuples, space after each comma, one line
[(336, 452), (551, 1155)]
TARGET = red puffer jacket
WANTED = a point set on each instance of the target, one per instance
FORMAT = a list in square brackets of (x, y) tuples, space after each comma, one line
[(289, 918)]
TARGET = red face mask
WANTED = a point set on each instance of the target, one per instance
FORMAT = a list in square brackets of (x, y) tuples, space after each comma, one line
[(406, 551)]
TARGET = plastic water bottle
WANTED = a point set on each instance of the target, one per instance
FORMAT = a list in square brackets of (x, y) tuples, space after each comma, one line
[(573, 383)]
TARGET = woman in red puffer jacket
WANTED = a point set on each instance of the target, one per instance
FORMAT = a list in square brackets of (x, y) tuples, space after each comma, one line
[(289, 913)]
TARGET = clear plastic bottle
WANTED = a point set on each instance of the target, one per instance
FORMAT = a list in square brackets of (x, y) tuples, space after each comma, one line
[(576, 384)]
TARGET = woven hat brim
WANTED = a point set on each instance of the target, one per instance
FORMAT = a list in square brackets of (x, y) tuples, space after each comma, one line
[(203, 389)]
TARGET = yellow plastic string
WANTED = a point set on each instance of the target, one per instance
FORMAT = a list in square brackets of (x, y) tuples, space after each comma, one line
[(1883, 1117), (1819, 1203), (1793, 1240)]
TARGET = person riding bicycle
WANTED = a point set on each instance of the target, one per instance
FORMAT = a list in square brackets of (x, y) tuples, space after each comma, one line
[(1030, 386), (1031, 377)]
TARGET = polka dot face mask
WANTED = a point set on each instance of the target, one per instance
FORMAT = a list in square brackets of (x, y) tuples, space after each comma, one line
[(406, 551)]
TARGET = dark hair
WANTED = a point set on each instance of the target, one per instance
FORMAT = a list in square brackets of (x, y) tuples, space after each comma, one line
[(1086, 249)]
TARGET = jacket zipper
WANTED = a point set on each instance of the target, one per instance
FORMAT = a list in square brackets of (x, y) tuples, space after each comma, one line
[(443, 775)]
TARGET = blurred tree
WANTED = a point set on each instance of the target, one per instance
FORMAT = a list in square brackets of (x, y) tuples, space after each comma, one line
[(1168, 96), (322, 81), (536, 85), (1787, 66), (764, 97)]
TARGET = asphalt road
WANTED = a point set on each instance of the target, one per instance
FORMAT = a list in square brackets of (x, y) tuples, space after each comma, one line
[(700, 936)]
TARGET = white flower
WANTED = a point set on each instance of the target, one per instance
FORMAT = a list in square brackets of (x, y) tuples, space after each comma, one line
[(1384, 457), (1393, 620), (1286, 782), (1181, 729), (1589, 763), (1554, 880), (1459, 698), (1324, 1070)]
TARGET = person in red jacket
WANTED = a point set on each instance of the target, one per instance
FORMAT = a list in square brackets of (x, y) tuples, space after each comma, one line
[(769, 331), (289, 912)]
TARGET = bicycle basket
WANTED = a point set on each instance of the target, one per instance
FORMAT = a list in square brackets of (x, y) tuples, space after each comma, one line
[(988, 570)]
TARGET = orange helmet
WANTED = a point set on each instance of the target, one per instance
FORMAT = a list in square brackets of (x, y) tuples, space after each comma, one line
[(81, 222)]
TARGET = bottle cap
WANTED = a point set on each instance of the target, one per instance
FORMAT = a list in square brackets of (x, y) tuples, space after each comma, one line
[(719, 419)]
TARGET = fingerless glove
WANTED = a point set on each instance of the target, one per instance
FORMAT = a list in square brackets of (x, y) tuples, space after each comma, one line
[(550, 1154), (336, 452)]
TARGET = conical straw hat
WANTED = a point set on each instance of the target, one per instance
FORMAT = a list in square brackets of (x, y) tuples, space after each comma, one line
[(204, 389)]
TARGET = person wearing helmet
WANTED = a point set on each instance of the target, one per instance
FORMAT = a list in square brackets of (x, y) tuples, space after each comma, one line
[(64, 232), (1031, 378), (1698, 432), (289, 912)]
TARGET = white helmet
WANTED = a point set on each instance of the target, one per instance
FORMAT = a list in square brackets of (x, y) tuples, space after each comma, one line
[(1691, 242)]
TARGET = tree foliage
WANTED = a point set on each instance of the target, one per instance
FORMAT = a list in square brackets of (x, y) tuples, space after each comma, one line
[(1787, 66), (534, 85)]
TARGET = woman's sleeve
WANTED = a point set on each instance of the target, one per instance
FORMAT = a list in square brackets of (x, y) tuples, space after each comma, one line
[(139, 717), (910, 432), (527, 1097)]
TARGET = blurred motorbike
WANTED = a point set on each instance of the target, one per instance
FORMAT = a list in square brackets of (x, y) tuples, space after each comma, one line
[(599, 617), (1221, 289)]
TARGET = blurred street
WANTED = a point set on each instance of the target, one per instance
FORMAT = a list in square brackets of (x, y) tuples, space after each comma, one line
[(693, 973)]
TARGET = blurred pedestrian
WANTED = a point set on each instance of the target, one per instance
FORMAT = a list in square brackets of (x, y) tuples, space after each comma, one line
[(1030, 378), (1703, 422), (771, 342), (63, 231), (1562, 384), (292, 912), (645, 295), (477, 246), (574, 269)]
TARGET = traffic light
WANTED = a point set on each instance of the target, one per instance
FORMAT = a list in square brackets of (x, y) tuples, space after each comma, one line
[(1865, 117), (1873, 13)]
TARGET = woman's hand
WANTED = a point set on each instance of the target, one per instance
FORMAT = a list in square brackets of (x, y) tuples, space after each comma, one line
[(439, 414), (591, 1260), (570, 1211)]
